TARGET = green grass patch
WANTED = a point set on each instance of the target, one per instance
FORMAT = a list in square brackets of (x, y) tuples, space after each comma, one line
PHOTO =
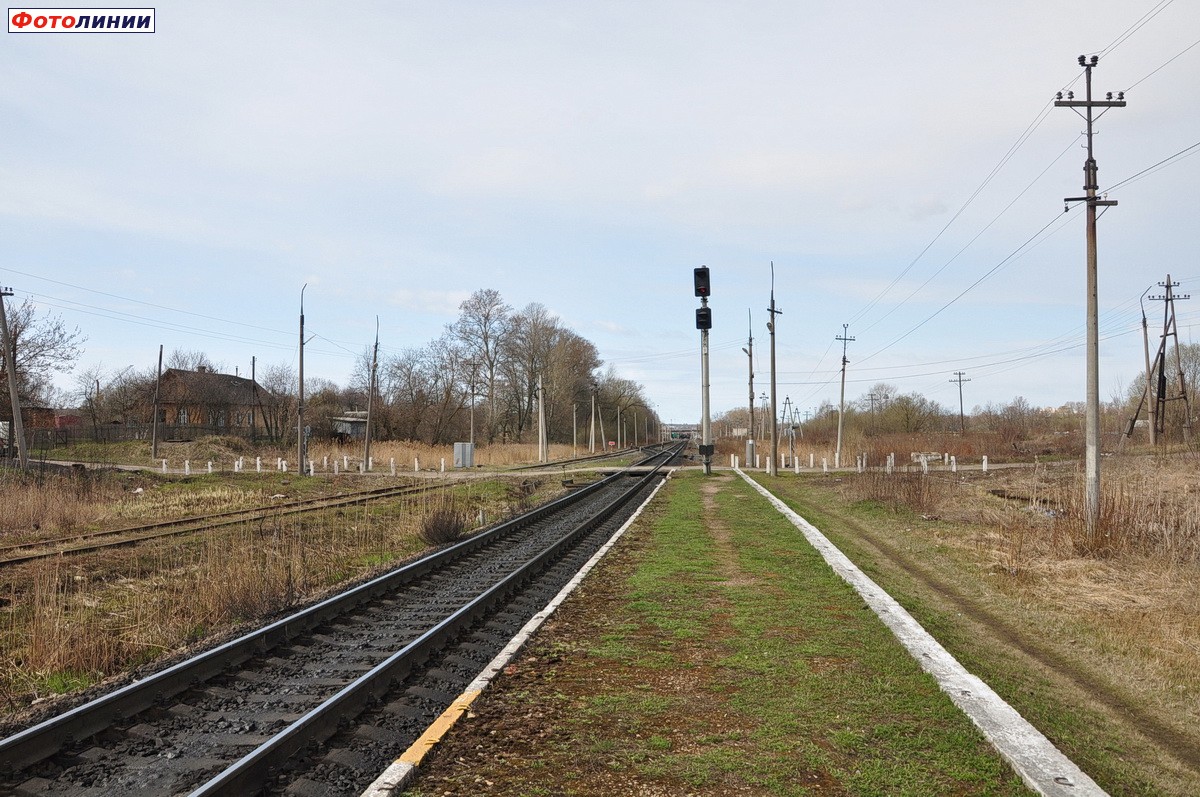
[(730, 658)]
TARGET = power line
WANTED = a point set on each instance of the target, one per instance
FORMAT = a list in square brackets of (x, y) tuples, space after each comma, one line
[(1135, 27)]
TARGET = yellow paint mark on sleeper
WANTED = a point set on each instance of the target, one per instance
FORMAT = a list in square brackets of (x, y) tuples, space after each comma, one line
[(440, 727)]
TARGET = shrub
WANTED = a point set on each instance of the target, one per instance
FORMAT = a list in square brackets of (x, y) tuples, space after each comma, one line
[(443, 525)]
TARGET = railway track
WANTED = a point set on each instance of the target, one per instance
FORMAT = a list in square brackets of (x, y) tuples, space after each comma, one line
[(17, 553), (100, 539), (321, 701)]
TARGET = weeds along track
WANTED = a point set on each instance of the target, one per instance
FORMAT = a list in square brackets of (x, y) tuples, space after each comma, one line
[(131, 535), (281, 709), (32, 550)]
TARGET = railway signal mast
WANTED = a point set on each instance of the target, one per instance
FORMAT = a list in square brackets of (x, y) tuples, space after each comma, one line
[(1090, 186), (700, 281)]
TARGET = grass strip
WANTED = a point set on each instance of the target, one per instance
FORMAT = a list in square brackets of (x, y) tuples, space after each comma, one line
[(717, 654)]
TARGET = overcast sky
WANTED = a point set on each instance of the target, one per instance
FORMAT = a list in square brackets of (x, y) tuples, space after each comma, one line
[(180, 187)]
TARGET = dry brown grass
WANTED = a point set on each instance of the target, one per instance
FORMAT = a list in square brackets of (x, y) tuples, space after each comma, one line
[(75, 621), (53, 502), (1130, 599)]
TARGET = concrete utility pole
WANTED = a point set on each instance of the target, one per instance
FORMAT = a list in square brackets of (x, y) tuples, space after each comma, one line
[(543, 447), (592, 430), (749, 350), (772, 470), (16, 431), (1148, 395), (1090, 186), (789, 422), (371, 402), (844, 338), (300, 396), (962, 423)]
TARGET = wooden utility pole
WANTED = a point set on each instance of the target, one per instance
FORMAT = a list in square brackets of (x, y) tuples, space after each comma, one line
[(16, 431), (1090, 186), (844, 338), (962, 421)]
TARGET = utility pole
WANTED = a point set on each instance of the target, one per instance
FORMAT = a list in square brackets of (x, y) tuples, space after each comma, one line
[(1148, 395), (962, 423), (592, 431), (300, 396), (257, 400), (1090, 186), (749, 350), (762, 415), (844, 338), (154, 424), (16, 431), (772, 469), (371, 401), (1170, 329), (788, 421), (543, 451), (703, 289)]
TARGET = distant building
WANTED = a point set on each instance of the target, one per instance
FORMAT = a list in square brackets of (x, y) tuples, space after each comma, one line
[(350, 426), (204, 398), (31, 417)]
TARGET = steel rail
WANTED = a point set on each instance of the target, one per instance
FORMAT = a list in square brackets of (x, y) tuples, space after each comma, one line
[(581, 460), (252, 771), (46, 738)]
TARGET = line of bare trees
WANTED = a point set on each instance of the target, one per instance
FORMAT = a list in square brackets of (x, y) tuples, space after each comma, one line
[(491, 358), (884, 410)]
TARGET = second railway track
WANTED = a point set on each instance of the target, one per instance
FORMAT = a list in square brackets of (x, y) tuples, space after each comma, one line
[(100, 539), (273, 712)]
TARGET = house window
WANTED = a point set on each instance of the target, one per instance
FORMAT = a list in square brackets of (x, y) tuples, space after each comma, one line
[(183, 415), (220, 417)]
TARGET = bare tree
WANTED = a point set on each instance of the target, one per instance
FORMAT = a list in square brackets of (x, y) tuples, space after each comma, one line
[(189, 360), (108, 397), (482, 328), (277, 400), (526, 355), (40, 346)]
